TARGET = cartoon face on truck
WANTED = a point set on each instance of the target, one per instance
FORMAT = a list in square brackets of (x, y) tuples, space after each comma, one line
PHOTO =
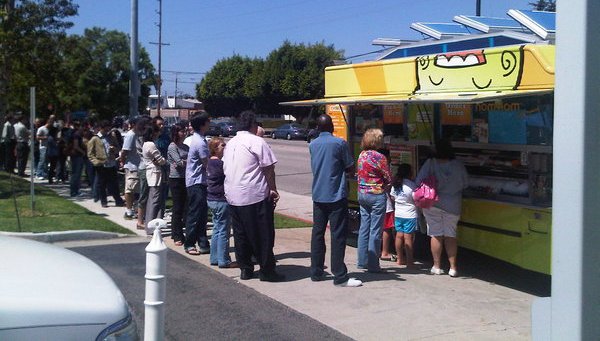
[(474, 70)]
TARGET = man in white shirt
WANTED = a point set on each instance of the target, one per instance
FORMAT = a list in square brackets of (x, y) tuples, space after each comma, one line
[(8, 143), (250, 189), (22, 138)]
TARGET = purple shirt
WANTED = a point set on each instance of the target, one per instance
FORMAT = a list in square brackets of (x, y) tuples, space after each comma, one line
[(244, 157), (195, 172)]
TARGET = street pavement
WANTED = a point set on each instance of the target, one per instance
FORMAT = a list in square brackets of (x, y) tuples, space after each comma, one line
[(490, 300), (202, 304)]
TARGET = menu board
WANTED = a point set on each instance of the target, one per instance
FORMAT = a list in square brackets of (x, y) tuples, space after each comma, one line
[(338, 114), (420, 118), (393, 114), (456, 114), (400, 154)]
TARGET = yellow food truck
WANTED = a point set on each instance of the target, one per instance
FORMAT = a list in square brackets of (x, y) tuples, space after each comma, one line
[(495, 104)]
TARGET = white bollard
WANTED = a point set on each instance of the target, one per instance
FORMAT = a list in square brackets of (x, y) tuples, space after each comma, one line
[(154, 302)]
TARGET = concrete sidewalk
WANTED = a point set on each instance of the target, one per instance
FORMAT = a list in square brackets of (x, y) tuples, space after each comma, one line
[(401, 304)]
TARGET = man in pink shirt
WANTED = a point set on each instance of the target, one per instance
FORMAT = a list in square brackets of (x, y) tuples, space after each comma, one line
[(250, 189)]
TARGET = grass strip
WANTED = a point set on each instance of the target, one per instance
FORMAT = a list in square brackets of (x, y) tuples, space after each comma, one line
[(52, 212)]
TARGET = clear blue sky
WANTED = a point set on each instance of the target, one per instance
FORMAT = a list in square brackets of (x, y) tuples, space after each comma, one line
[(202, 32)]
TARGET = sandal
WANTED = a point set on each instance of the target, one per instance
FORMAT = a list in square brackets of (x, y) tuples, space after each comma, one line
[(140, 227), (178, 243), (192, 251)]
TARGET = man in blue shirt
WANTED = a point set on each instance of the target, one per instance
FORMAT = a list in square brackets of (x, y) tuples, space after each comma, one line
[(195, 181), (330, 159)]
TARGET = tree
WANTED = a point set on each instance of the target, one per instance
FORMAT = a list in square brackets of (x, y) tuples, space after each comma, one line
[(97, 69), (296, 72), (222, 88), (31, 33), (544, 5), (289, 73)]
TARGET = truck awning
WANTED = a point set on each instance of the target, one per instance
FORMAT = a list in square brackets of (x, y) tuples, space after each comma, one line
[(441, 97), (349, 100)]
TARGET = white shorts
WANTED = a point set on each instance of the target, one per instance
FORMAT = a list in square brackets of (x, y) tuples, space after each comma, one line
[(440, 223)]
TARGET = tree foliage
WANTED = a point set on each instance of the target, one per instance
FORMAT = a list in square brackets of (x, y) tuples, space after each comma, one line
[(97, 66), (544, 5), (88, 72), (31, 33), (289, 73)]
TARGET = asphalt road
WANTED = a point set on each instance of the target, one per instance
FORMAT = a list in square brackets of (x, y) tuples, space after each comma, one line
[(202, 304), (293, 166)]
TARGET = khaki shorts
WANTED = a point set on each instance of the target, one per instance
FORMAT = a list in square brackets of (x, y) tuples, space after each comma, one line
[(440, 223), (131, 181)]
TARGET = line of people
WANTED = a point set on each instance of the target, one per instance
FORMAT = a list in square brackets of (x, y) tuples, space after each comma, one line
[(377, 190)]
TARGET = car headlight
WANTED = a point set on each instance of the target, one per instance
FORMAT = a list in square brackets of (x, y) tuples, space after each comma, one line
[(123, 330)]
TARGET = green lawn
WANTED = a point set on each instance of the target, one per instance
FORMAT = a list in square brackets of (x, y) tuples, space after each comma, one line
[(281, 221), (52, 212), (285, 222)]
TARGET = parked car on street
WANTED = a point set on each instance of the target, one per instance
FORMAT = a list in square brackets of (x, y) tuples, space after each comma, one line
[(227, 128), (50, 293), (214, 129), (290, 131), (312, 134)]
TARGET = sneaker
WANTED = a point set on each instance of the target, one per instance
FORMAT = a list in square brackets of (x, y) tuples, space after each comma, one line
[(351, 283), (452, 273), (128, 216), (436, 271)]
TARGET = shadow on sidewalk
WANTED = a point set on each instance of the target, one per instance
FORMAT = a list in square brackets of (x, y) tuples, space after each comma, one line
[(295, 255)]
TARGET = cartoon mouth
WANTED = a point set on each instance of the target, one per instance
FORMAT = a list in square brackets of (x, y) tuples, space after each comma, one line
[(460, 59)]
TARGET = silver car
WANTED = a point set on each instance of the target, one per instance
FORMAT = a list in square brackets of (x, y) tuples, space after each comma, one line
[(50, 293)]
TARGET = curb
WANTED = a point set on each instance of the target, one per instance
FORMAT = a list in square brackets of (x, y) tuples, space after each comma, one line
[(61, 236)]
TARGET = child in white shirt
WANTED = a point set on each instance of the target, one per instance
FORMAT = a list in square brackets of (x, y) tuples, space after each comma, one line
[(405, 221)]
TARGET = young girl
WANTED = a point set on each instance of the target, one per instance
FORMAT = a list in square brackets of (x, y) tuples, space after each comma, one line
[(388, 221), (405, 214)]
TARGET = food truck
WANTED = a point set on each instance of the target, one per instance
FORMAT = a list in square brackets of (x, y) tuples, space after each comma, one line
[(495, 103)]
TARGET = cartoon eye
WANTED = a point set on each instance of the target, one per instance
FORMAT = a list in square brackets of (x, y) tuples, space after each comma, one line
[(434, 82), (479, 86)]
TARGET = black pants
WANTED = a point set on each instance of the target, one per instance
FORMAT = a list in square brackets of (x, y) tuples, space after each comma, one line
[(52, 160), (337, 214), (108, 183), (195, 225), (179, 194), (254, 234), (9, 156), (22, 155)]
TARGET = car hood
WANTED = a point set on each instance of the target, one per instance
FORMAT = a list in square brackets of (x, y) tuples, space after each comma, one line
[(44, 285)]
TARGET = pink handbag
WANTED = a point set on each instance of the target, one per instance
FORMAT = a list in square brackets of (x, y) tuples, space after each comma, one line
[(425, 194)]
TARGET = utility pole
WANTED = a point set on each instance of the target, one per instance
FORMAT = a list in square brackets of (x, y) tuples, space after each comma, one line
[(478, 8), (134, 82), (177, 73), (160, 44)]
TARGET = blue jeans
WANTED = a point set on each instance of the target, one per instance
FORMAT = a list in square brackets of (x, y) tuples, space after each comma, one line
[(195, 225), (42, 168), (76, 169), (337, 215), (219, 243), (372, 213)]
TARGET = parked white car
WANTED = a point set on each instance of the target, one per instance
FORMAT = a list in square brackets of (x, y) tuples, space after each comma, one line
[(50, 293)]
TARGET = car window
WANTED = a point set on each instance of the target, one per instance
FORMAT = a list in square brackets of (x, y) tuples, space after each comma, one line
[(285, 126)]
